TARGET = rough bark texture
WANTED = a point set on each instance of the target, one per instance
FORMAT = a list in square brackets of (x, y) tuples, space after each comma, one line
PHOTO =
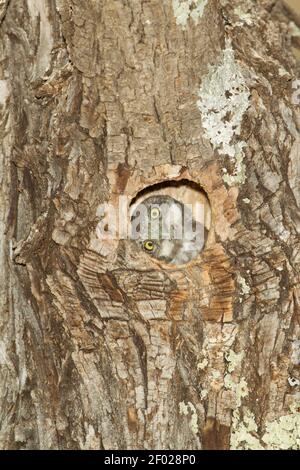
[(101, 348)]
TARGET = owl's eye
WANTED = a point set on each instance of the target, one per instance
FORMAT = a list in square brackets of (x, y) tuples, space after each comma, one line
[(155, 212), (149, 245)]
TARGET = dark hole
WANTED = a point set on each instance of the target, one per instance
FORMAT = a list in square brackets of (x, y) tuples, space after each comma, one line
[(167, 184)]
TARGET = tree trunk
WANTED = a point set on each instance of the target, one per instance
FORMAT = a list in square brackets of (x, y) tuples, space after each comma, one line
[(101, 347)]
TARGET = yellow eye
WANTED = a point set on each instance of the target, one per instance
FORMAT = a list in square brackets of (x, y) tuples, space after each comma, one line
[(155, 212), (149, 245)]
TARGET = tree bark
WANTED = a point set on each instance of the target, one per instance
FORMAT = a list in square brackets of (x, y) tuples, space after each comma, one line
[(101, 348)]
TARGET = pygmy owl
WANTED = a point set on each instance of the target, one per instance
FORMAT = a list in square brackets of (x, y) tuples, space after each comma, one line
[(166, 230)]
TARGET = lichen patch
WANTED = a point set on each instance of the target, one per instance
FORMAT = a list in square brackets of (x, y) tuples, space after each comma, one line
[(245, 289), (244, 18), (223, 102), (280, 434), (283, 433), (185, 410), (243, 432), (185, 9), (234, 359)]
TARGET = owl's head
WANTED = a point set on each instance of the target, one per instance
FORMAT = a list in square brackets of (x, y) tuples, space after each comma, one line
[(165, 229)]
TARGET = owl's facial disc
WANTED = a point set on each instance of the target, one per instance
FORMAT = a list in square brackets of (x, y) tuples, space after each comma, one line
[(158, 228)]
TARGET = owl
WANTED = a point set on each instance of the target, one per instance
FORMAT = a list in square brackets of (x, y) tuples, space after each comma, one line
[(166, 230)]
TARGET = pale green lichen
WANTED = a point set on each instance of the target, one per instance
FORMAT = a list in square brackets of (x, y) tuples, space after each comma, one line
[(245, 18), (243, 432), (185, 410), (202, 364), (239, 174), (185, 9), (229, 383), (284, 432), (240, 388), (245, 289), (223, 101), (215, 374), (234, 359), (194, 420), (280, 434)]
